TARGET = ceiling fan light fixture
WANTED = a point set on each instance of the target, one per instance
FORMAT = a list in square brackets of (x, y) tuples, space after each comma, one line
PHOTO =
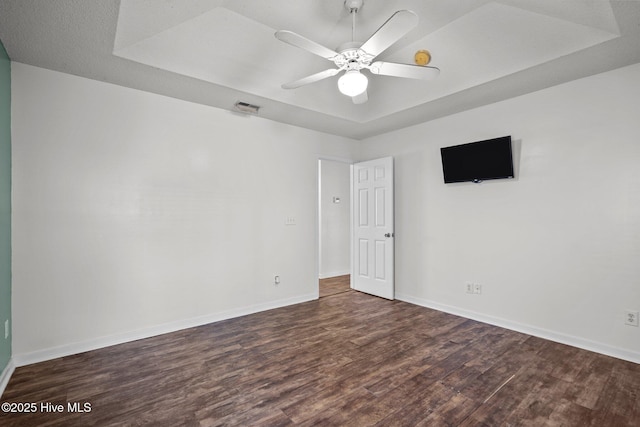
[(352, 83)]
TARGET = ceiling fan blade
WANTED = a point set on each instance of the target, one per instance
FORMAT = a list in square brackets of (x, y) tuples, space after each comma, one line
[(311, 79), (360, 99), (297, 40), (390, 32), (404, 70)]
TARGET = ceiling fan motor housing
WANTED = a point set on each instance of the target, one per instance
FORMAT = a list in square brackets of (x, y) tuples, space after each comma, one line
[(352, 57)]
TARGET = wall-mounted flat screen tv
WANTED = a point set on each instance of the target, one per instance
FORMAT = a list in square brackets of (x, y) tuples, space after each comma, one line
[(478, 161)]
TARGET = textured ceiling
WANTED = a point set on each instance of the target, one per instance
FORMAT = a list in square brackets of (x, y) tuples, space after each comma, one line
[(218, 52)]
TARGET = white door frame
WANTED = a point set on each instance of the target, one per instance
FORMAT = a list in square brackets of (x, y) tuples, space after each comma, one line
[(318, 245)]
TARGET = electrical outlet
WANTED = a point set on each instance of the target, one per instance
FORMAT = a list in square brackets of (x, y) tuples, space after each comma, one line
[(469, 287), (477, 288), (631, 318), (6, 329)]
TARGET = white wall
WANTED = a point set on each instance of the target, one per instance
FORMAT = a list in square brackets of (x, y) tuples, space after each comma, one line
[(335, 232), (137, 214), (557, 250)]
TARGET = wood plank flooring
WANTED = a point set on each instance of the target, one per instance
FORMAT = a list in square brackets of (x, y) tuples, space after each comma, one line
[(346, 360), (335, 285)]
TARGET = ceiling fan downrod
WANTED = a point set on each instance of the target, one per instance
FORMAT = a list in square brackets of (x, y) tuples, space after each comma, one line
[(353, 6)]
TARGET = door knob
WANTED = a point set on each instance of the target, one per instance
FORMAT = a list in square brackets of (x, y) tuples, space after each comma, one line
[(388, 234)]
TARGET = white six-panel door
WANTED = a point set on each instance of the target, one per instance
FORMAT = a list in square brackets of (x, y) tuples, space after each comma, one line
[(373, 227)]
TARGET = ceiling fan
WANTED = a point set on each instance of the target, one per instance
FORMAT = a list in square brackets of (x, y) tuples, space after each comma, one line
[(352, 57)]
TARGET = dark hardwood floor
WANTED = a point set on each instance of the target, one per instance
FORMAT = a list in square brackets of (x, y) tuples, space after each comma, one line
[(346, 360), (335, 285)]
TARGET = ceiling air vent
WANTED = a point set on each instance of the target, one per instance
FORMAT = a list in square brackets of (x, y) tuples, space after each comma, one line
[(246, 108)]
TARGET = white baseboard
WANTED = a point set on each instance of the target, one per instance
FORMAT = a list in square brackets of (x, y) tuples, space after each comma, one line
[(6, 376), (101, 342), (585, 344), (334, 274)]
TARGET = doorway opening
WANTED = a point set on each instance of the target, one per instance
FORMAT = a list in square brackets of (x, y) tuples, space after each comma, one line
[(335, 285), (334, 227)]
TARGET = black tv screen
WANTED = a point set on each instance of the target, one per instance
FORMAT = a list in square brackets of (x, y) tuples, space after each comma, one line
[(478, 161)]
